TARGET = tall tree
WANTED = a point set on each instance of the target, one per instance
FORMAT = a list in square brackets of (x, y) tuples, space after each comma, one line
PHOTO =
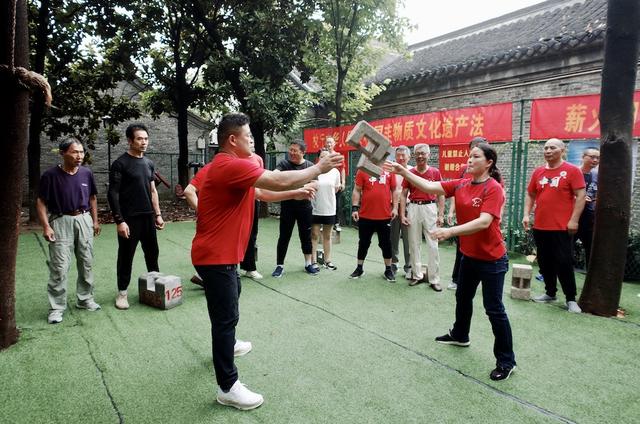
[(174, 71), (256, 45), (601, 292), (356, 33), (14, 78), (84, 49)]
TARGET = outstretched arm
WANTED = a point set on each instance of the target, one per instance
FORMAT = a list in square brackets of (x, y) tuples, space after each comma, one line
[(281, 181), (431, 187)]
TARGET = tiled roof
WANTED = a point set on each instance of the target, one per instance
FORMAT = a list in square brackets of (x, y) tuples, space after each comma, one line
[(543, 29)]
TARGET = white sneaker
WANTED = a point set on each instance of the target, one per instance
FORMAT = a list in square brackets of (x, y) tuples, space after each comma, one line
[(241, 348), (55, 316), (573, 307), (89, 305), (452, 286), (254, 275), (121, 301), (239, 397)]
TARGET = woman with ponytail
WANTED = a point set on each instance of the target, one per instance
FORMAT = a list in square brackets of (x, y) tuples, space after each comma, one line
[(479, 199)]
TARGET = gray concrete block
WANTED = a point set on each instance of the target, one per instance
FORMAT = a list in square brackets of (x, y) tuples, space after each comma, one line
[(522, 294), (159, 290), (376, 151)]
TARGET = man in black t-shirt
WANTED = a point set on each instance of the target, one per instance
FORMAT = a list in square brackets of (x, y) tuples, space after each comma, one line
[(292, 211), (134, 204), (68, 211)]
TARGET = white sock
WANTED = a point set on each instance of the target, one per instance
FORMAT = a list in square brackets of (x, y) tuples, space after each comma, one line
[(307, 262), (122, 292)]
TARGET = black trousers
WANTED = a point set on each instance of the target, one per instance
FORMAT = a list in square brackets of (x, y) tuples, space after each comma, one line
[(585, 234), (289, 216), (249, 261), (366, 229), (555, 257), (222, 291), (491, 274), (455, 274), (142, 228), (339, 214)]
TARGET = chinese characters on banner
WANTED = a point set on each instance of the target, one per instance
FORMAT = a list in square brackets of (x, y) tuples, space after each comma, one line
[(452, 158), (493, 122), (572, 118)]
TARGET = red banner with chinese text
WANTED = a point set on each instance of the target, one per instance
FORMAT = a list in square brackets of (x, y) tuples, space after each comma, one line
[(457, 126), (572, 118), (452, 157)]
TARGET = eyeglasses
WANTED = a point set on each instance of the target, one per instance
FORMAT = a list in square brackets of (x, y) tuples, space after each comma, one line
[(593, 156)]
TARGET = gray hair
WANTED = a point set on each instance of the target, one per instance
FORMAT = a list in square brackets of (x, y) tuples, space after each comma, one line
[(422, 146), (403, 149)]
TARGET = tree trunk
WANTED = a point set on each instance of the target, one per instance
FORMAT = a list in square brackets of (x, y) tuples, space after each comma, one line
[(37, 110), (13, 130), (338, 100), (601, 292), (183, 144)]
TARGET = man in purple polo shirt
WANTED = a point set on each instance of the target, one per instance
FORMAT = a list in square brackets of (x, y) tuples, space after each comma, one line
[(68, 211)]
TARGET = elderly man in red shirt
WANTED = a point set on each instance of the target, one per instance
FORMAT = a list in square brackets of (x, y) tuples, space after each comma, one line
[(558, 191), (425, 213)]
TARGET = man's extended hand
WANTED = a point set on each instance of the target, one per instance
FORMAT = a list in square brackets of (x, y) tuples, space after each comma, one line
[(307, 192), (327, 163)]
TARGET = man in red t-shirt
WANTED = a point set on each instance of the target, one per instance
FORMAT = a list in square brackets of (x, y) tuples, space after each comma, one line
[(373, 205), (425, 213), (557, 189), (224, 217)]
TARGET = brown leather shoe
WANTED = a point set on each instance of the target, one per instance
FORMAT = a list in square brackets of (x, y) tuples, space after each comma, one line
[(414, 282), (436, 287)]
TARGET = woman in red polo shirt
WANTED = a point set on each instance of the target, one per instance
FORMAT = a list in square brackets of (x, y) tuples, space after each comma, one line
[(479, 199)]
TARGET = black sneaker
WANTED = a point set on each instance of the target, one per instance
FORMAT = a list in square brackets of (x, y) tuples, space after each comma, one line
[(394, 268), (389, 276), (330, 265), (447, 339), (359, 272), (277, 273), (501, 373)]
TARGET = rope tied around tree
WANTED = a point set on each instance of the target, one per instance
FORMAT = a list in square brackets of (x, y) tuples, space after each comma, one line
[(30, 80)]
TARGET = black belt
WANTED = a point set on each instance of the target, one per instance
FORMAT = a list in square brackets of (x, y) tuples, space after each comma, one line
[(422, 202), (75, 213)]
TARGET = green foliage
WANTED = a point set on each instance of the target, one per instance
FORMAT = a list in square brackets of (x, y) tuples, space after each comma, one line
[(85, 56), (523, 241), (255, 46), (354, 37)]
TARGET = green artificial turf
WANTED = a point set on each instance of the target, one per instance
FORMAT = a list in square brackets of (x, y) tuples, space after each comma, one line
[(327, 349)]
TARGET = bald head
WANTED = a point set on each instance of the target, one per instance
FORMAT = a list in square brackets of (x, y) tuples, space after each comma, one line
[(556, 142), (553, 150)]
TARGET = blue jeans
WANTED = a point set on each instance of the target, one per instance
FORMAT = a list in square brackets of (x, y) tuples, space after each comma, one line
[(222, 290), (491, 274)]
